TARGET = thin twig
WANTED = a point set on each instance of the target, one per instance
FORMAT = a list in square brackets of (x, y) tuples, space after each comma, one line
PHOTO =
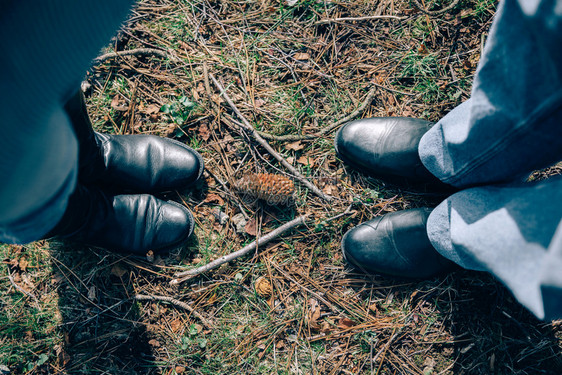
[(206, 79), (393, 90), (386, 346), (20, 289), (435, 12), (135, 52), (264, 144), (173, 301), (186, 275), (364, 18), (327, 129)]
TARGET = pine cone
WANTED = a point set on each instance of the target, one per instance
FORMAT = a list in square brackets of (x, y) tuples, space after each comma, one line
[(263, 287), (271, 188)]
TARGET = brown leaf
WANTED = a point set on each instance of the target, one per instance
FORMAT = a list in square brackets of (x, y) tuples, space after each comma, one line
[(214, 198), (330, 189), (154, 343), (92, 292), (301, 56), (118, 271), (325, 327), (422, 50), (198, 327), (305, 160), (204, 132), (251, 227), (151, 109), (345, 323), (314, 313), (23, 263), (295, 146), (176, 324), (117, 105)]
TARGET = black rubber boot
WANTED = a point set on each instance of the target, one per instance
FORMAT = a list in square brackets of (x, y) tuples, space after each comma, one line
[(139, 163), (123, 223), (395, 244)]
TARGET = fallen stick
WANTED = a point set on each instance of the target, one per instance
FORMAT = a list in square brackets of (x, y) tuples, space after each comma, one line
[(436, 12), (186, 275), (136, 52), (246, 126), (21, 290), (351, 19), (173, 301)]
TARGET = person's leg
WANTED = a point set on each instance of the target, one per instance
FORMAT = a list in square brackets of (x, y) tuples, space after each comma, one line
[(508, 128), (507, 231), (511, 124), (46, 48)]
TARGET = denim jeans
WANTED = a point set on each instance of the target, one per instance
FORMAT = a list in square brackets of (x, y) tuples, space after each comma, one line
[(487, 146), (47, 48)]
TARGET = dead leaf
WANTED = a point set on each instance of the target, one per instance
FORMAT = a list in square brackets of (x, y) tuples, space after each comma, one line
[(118, 271), (305, 160), (326, 327), (92, 293), (251, 227), (301, 56), (198, 327), (345, 323), (330, 189), (295, 146), (118, 105), (214, 198), (217, 98), (152, 108), (23, 263), (422, 49), (204, 132), (154, 343), (176, 324), (314, 313)]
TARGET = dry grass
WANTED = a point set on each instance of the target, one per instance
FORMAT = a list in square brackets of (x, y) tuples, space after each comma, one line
[(290, 70)]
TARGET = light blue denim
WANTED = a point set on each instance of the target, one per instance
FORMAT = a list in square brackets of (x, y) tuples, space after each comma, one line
[(510, 126), (47, 47)]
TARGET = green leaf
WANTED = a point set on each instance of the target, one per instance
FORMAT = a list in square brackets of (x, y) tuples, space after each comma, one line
[(42, 359), (202, 343), (186, 102), (192, 330), (166, 108), (179, 119)]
